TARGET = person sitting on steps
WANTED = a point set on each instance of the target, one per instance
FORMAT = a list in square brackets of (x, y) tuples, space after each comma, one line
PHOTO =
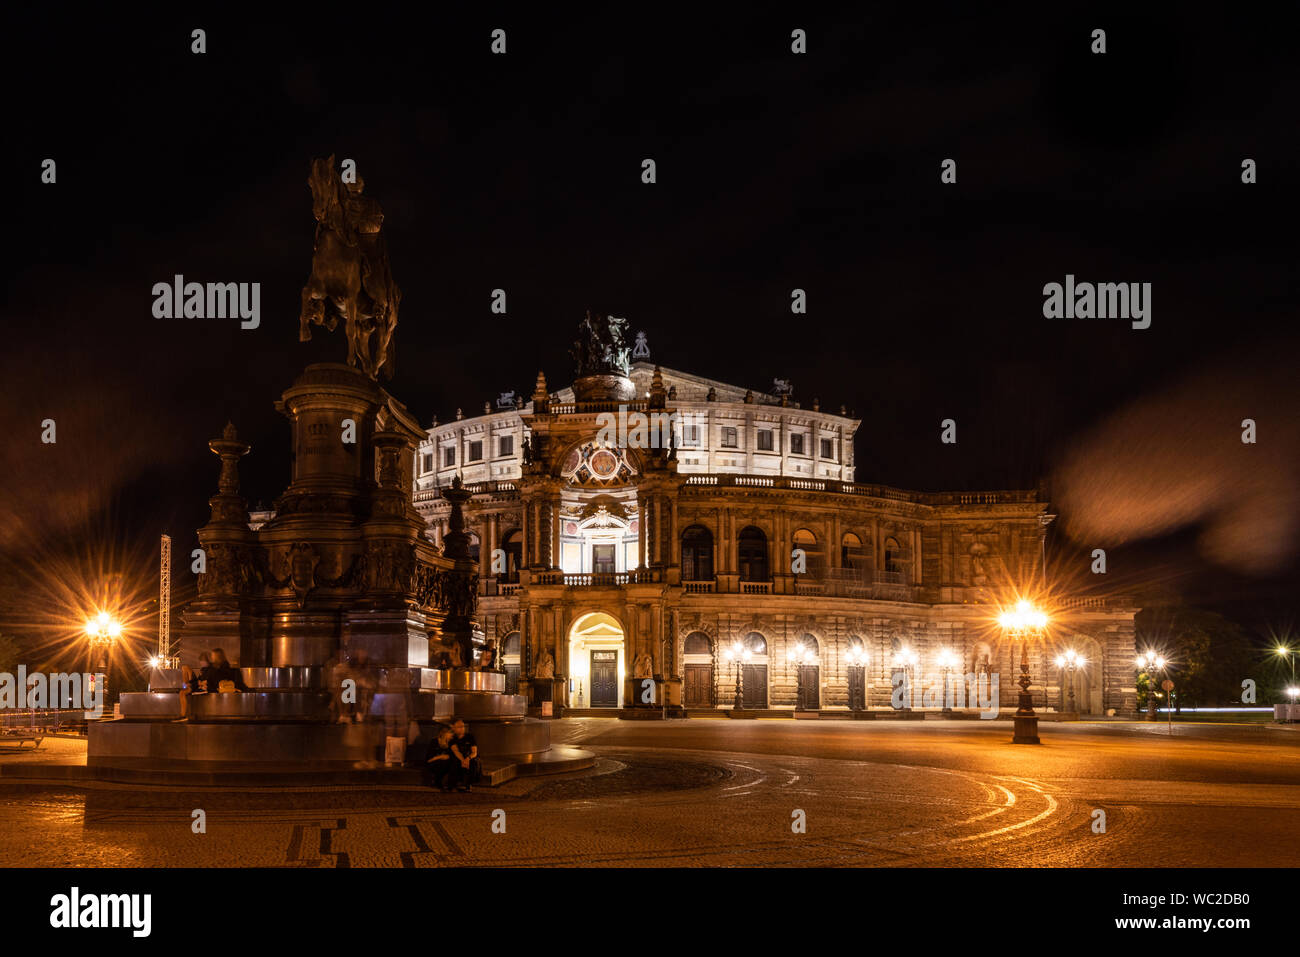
[(465, 768), (439, 760)]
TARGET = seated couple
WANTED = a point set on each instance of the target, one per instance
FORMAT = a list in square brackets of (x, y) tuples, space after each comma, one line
[(453, 758)]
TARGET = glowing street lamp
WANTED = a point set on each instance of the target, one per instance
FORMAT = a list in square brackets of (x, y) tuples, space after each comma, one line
[(905, 659), (1068, 663), (1152, 662), (1024, 624), (801, 655), (102, 631), (946, 659), (740, 655), (1284, 651), (856, 658)]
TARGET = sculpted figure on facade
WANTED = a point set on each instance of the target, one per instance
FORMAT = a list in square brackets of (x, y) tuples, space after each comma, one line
[(601, 347)]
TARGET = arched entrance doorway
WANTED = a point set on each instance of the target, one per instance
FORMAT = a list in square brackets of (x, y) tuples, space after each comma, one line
[(596, 662), (1085, 678), (697, 671)]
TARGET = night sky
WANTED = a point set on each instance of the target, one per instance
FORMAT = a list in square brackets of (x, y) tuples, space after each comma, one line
[(775, 171)]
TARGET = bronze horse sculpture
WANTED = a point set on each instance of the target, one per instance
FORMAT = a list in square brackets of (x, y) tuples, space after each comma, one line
[(350, 276)]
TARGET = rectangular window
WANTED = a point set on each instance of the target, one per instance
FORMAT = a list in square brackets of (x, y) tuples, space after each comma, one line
[(765, 440), (602, 559), (728, 437), (828, 448), (507, 446), (796, 443), (449, 456), (476, 450), (428, 462), (690, 435)]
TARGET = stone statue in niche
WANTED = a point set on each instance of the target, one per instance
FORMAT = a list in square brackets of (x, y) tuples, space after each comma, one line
[(643, 666), (545, 664)]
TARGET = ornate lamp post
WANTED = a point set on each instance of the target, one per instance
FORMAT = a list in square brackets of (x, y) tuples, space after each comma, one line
[(1068, 663), (946, 659), (739, 654), (1152, 662), (857, 665), (906, 659), (102, 631), (1284, 651), (800, 655), (1024, 624)]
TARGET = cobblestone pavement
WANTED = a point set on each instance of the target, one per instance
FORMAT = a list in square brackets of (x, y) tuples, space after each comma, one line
[(723, 793)]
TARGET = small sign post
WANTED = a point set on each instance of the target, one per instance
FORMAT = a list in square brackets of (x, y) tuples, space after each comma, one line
[(1168, 685)]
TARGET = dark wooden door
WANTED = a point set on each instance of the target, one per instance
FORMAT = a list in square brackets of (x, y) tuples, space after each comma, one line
[(809, 691), (698, 690), (512, 679), (755, 687), (857, 686), (604, 679)]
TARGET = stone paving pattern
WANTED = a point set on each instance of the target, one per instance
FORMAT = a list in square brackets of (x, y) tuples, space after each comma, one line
[(720, 793)]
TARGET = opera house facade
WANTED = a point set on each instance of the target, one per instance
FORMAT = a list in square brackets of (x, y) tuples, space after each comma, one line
[(653, 523)]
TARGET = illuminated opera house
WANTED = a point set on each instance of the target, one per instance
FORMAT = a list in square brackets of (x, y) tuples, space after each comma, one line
[(645, 521)]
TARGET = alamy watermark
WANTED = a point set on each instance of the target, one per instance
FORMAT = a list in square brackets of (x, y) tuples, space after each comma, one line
[(1102, 300), (214, 300), (627, 429), (39, 691)]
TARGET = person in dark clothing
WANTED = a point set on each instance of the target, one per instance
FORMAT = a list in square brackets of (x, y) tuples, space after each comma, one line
[(439, 760), (465, 769), (223, 670), (199, 681)]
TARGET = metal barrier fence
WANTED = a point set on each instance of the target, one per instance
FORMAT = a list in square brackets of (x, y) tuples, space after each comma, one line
[(52, 720)]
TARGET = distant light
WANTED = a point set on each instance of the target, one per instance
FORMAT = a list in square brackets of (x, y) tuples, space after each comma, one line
[(155, 661)]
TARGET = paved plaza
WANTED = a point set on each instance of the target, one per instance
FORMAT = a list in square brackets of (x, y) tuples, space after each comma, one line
[(725, 793)]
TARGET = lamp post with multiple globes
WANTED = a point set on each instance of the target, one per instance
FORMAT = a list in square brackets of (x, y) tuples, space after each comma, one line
[(1152, 662), (1024, 624), (801, 656), (1067, 664), (905, 659), (856, 659), (946, 659), (740, 655), (102, 631)]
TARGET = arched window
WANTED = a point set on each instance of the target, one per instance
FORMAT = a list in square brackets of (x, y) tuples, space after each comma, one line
[(756, 643), (511, 645), (753, 554), (513, 546), (893, 557), (852, 555), (474, 546), (807, 542), (697, 643), (697, 554)]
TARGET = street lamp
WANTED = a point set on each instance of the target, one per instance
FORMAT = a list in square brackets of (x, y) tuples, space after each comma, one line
[(800, 655), (739, 654), (1282, 650), (946, 659), (857, 664), (102, 631), (1068, 663), (906, 659), (1024, 624), (1151, 662)]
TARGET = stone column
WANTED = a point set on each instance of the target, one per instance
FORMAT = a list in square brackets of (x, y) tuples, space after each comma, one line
[(555, 531)]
